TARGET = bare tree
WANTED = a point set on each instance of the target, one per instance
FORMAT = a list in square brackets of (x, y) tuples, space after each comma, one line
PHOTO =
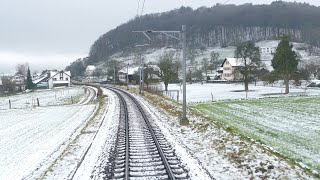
[(169, 68), (8, 85), (22, 69), (250, 55), (214, 60), (313, 68), (205, 65)]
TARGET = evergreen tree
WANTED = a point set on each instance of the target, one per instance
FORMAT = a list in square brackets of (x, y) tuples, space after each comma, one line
[(30, 84), (285, 62)]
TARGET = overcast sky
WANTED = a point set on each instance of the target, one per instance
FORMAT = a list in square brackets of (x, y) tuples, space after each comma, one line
[(52, 33)]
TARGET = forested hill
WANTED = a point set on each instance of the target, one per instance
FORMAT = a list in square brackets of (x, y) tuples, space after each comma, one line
[(218, 25)]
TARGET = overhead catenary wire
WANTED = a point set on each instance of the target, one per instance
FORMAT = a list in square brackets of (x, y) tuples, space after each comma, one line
[(138, 8), (144, 1)]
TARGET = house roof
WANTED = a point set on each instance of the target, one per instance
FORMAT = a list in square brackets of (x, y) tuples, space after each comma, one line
[(36, 81), (68, 73), (131, 70), (235, 62), (90, 68)]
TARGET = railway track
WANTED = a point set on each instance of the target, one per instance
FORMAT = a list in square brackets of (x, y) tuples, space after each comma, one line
[(141, 150)]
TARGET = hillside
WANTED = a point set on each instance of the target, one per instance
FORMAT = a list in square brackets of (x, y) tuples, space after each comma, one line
[(220, 25)]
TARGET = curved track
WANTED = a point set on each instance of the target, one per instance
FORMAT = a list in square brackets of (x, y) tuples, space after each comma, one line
[(141, 151)]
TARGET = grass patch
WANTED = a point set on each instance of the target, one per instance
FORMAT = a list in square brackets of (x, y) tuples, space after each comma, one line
[(289, 125)]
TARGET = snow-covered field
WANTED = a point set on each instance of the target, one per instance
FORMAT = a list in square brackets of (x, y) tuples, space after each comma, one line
[(27, 136), (216, 92), (289, 125), (58, 96), (30, 136)]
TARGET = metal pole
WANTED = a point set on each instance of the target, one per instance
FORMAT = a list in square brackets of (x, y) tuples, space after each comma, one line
[(184, 47), (127, 77), (114, 76), (142, 77), (140, 73)]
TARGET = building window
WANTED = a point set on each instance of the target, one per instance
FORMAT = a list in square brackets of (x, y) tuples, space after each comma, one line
[(67, 79), (54, 79), (61, 78)]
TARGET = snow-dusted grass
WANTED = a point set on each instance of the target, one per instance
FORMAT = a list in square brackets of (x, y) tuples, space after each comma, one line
[(216, 92), (59, 96), (291, 125), (224, 154), (28, 137)]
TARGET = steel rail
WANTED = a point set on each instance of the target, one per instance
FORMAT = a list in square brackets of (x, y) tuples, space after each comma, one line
[(161, 153)]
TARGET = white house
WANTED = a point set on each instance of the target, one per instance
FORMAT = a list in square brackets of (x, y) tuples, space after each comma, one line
[(124, 72), (59, 78), (89, 70), (230, 67), (132, 70), (52, 79), (19, 81)]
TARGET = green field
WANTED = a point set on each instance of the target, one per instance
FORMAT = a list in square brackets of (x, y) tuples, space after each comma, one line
[(291, 126)]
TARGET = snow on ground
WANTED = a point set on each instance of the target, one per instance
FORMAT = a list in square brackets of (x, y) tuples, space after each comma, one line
[(94, 161), (81, 158), (46, 97), (27, 137), (216, 92), (290, 126), (223, 154)]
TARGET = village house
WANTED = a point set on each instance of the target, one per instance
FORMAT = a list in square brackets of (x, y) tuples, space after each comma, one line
[(52, 79), (128, 71), (134, 70), (19, 81), (230, 69), (90, 70)]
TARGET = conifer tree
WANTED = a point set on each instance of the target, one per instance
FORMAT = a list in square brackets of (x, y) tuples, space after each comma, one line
[(285, 62), (30, 84)]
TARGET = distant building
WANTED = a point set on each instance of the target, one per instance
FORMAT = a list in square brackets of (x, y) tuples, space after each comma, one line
[(51, 79), (230, 69), (134, 70), (19, 81), (89, 70), (130, 72)]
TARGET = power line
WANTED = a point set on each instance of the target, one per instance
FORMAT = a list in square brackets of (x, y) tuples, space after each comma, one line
[(226, 2), (138, 8), (144, 1)]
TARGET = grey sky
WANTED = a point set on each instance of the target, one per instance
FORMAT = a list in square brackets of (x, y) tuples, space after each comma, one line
[(52, 33)]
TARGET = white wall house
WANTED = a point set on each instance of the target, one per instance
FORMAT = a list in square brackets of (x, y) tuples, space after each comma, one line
[(122, 74), (51, 79), (89, 70), (230, 67), (59, 78)]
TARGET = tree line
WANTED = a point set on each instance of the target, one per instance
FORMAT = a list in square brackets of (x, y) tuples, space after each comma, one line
[(214, 26)]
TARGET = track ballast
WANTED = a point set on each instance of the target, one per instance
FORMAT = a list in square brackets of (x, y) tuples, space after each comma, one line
[(141, 151)]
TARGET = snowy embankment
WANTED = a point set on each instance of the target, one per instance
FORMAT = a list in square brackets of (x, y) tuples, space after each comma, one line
[(30, 136), (82, 157), (220, 92), (224, 154)]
